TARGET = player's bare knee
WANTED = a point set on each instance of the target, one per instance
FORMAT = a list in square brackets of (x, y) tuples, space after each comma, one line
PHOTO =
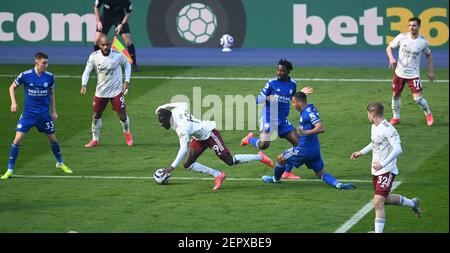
[(187, 164)]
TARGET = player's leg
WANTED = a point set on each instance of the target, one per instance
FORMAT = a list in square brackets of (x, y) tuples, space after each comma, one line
[(196, 148), (119, 106), (380, 215), (57, 153), (126, 35), (397, 87), (99, 106), (13, 154), (317, 165), (282, 161), (217, 144), (263, 142), (292, 137), (106, 25), (400, 200), (415, 85), (24, 125)]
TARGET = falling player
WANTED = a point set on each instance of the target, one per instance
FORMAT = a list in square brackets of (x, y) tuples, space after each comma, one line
[(385, 147), (204, 135), (407, 69), (107, 64), (39, 87), (308, 150), (276, 96)]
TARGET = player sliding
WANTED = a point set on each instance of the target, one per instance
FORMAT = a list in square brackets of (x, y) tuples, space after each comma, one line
[(204, 135), (308, 150), (276, 96)]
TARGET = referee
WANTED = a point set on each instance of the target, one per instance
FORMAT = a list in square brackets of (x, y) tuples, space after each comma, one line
[(117, 13)]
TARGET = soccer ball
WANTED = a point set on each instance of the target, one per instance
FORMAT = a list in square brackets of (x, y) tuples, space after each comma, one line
[(226, 41), (196, 23), (161, 177)]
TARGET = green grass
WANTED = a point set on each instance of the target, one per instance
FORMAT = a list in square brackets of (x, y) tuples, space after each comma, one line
[(139, 205)]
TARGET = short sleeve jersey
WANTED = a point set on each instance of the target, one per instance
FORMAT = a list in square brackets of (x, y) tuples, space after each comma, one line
[(37, 91), (283, 92), (308, 118)]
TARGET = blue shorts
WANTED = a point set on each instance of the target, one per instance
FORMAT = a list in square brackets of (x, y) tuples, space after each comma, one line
[(282, 129), (297, 158), (43, 123)]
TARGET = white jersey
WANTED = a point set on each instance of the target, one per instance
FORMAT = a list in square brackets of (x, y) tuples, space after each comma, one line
[(186, 126), (109, 72), (384, 137), (409, 53)]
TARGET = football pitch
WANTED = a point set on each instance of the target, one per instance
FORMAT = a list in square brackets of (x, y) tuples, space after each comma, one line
[(112, 190)]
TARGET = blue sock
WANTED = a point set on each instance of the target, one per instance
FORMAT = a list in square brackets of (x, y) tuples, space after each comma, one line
[(330, 180), (254, 141), (13, 153), (57, 152), (289, 167), (278, 171)]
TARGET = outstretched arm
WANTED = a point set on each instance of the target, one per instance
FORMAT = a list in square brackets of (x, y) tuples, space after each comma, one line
[(362, 152)]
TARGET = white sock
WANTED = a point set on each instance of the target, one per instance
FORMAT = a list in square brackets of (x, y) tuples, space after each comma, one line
[(247, 158), (96, 125), (204, 169), (396, 108), (125, 125), (423, 103), (404, 201), (379, 225)]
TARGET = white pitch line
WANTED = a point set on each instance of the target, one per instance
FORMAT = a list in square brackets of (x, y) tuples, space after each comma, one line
[(360, 214), (242, 78), (173, 178)]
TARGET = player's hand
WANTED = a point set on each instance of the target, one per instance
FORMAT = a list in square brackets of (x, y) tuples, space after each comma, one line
[(431, 76), (307, 90), (169, 169), (355, 155), (125, 88), (99, 26), (271, 98), (54, 116), (119, 28), (301, 132), (392, 63), (377, 166), (14, 108), (83, 90)]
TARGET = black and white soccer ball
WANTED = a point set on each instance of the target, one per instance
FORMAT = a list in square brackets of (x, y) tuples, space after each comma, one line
[(161, 176), (226, 41)]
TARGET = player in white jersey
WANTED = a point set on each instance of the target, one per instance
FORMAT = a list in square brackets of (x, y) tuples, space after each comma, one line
[(385, 147), (407, 69), (107, 63), (204, 135)]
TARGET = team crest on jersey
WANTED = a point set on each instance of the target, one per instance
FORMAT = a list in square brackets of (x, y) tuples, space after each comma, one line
[(31, 84), (45, 84), (290, 91)]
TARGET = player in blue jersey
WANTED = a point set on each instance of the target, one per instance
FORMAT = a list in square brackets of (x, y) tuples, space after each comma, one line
[(276, 96), (308, 149), (39, 87)]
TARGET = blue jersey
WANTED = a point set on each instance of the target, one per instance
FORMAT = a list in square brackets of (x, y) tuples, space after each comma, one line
[(308, 117), (37, 91), (283, 91)]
